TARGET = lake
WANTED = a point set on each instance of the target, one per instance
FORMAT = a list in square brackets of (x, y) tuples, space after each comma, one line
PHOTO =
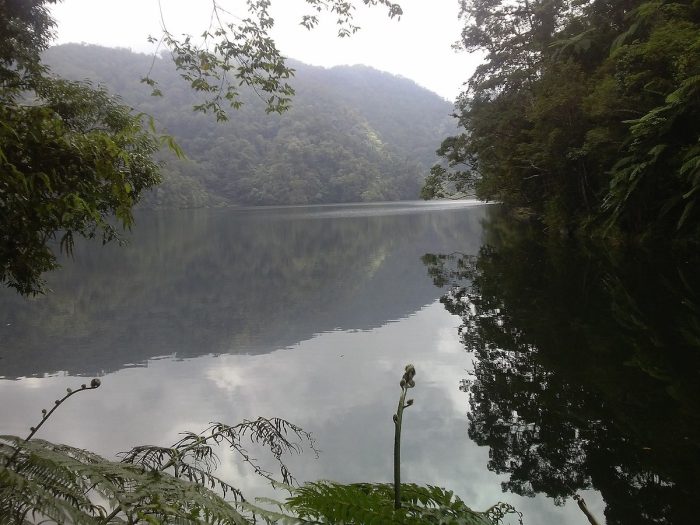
[(311, 313)]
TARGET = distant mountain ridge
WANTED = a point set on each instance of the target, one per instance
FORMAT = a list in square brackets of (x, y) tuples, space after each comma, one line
[(353, 133)]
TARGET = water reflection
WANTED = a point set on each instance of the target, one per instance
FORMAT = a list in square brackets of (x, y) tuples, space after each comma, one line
[(587, 371), (230, 281), (341, 386), (305, 314)]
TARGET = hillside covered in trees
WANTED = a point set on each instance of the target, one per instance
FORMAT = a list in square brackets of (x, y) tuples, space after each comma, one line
[(584, 114), (352, 134)]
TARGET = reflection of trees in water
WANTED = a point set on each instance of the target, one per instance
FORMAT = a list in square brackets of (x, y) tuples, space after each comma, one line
[(587, 370), (215, 281)]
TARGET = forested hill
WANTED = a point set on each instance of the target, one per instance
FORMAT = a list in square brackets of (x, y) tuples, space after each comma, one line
[(353, 133)]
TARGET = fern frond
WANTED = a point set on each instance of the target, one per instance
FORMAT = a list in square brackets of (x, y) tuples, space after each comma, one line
[(162, 498), (46, 480), (284, 516), (369, 503), (41, 480), (61, 483), (193, 456), (330, 502)]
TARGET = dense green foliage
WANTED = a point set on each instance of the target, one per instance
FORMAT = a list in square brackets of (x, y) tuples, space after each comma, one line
[(372, 503), (351, 134), (587, 369), (71, 156), (582, 111)]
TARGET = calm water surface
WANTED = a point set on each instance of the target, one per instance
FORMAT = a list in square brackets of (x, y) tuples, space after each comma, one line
[(306, 313)]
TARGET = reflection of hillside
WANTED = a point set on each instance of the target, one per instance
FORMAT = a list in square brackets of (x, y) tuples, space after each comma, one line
[(230, 281)]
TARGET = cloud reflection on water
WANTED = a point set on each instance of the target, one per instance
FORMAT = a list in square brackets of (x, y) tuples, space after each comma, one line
[(342, 386)]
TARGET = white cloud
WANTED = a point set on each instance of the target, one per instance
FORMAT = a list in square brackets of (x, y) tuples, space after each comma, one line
[(416, 47)]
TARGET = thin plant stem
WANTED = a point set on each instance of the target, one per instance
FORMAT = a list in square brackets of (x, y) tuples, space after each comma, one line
[(95, 383), (406, 383), (397, 450)]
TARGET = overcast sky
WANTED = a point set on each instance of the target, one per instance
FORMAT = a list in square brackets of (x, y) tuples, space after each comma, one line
[(416, 47)]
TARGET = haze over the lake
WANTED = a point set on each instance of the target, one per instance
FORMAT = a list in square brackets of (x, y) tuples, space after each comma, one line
[(419, 46)]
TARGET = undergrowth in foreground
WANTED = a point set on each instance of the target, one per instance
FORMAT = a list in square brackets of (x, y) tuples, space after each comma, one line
[(373, 503), (43, 482)]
